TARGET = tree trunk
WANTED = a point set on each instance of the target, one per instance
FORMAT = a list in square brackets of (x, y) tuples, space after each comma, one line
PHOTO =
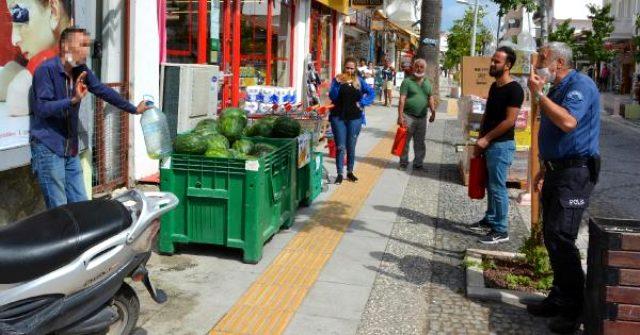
[(430, 30)]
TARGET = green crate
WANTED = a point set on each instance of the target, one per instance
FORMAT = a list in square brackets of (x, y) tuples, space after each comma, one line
[(309, 183), (229, 202)]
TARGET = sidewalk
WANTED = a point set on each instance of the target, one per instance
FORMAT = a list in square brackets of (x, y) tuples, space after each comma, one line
[(395, 269)]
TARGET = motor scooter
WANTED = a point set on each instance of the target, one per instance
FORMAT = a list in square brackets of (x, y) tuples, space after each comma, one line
[(63, 271)]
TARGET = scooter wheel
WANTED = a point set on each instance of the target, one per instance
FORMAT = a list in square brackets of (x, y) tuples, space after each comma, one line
[(128, 306)]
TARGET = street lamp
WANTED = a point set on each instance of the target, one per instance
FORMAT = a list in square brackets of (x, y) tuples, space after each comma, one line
[(475, 24)]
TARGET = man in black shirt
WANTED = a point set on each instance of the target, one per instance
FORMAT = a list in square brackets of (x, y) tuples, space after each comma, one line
[(497, 145)]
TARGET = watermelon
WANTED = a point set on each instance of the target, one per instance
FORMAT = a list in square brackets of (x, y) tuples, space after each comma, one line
[(243, 146), (260, 149), (217, 141), (207, 123), (190, 143), (217, 153), (235, 112), (262, 127), (286, 127)]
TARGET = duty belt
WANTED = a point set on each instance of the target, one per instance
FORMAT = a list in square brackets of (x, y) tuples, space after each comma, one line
[(562, 164)]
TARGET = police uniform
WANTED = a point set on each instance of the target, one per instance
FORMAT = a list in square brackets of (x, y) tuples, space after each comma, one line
[(571, 162)]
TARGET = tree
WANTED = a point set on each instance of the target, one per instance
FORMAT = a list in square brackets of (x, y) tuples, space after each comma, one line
[(429, 49), (593, 48), (564, 33), (459, 39), (636, 40), (504, 6)]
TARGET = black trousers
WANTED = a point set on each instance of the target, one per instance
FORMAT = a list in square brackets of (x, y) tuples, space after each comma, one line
[(565, 196)]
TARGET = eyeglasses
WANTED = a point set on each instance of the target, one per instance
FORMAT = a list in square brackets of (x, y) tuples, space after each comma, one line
[(350, 68)]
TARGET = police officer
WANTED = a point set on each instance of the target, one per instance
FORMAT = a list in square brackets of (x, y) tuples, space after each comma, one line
[(569, 153)]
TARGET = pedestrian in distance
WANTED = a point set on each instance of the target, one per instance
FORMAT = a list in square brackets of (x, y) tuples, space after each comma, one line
[(388, 75), (415, 99), (349, 94), (369, 75), (496, 143), (59, 85), (362, 67), (569, 153)]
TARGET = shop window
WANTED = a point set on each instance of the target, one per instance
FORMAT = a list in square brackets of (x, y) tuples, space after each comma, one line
[(183, 29), (265, 46), (321, 27)]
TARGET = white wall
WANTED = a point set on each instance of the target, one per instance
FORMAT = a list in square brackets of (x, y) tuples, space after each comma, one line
[(339, 42), (144, 78), (301, 43), (574, 9)]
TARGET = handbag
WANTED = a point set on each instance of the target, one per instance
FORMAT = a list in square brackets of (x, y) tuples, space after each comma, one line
[(399, 142), (477, 177)]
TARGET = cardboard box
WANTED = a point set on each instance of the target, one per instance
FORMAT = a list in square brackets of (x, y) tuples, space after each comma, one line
[(475, 76)]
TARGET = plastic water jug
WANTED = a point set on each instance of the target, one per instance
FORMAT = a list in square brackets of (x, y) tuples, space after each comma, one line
[(156, 131)]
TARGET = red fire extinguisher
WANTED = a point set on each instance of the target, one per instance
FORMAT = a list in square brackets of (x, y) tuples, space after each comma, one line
[(477, 177)]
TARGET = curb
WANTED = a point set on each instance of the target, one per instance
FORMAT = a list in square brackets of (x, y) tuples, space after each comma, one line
[(476, 286)]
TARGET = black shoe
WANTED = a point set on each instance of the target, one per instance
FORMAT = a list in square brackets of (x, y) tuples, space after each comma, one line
[(564, 325), (417, 166), (480, 226), (338, 180), (544, 309), (493, 237), (351, 177), (403, 165)]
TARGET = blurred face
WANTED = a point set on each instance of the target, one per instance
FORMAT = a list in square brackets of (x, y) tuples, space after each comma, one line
[(547, 67), (76, 49), (498, 64), (419, 69), (350, 68), (32, 23)]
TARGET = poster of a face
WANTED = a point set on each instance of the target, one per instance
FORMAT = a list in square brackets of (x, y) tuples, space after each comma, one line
[(29, 34)]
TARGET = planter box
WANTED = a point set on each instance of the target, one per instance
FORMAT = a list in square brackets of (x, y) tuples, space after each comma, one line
[(476, 287)]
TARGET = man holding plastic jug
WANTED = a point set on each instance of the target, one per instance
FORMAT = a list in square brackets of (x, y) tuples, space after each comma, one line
[(59, 85), (570, 164), (496, 143)]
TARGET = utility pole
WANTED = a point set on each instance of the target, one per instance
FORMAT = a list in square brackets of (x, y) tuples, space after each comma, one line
[(475, 24), (544, 22)]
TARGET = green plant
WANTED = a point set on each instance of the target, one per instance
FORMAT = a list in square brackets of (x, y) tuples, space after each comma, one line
[(536, 256), (469, 264), (514, 281), (459, 39), (488, 264), (545, 283)]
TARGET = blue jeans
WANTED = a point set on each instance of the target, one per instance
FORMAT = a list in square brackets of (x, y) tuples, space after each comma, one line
[(345, 134), (499, 156), (60, 178)]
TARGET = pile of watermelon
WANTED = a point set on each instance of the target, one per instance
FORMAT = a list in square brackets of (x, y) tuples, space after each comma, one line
[(223, 138)]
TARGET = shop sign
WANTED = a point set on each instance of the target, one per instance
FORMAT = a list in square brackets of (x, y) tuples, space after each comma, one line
[(367, 3), (377, 25), (304, 149), (15, 77)]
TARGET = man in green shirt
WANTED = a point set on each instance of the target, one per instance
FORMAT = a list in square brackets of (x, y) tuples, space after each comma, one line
[(415, 99)]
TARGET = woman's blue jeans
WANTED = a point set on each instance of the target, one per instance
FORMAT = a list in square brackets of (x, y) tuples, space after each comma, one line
[(60, 178), (345, 134), (499, 156)]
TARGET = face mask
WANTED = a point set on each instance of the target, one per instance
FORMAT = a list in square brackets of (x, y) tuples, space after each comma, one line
[(418, 75), (546, 74)]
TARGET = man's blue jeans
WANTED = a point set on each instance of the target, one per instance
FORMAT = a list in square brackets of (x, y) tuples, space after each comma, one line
[(60, 178), (345, 134), (499, 156)]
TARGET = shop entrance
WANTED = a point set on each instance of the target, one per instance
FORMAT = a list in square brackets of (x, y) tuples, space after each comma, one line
[(110, 142)]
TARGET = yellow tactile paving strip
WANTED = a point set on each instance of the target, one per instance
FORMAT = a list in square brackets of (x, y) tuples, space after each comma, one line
[(269, 304)]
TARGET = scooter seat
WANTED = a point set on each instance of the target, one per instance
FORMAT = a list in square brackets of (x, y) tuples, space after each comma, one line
[(44, 242)]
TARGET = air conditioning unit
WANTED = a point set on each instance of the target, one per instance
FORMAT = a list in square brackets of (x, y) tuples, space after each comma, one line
[(188, 94)]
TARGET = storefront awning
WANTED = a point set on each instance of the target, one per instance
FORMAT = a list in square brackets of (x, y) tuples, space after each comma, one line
[(341, 6), (379, 15)]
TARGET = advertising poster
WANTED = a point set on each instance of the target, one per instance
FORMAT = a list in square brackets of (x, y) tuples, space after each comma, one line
[(29, 35)]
